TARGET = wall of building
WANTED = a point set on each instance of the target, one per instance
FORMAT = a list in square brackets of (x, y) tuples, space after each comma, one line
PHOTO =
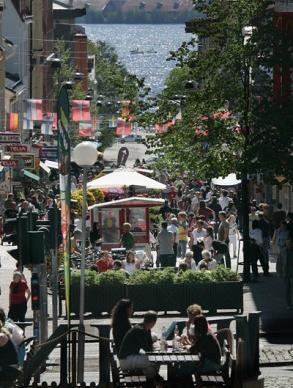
[(2, 80)]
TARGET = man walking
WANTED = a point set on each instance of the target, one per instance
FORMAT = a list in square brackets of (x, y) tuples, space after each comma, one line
[(166, 241)]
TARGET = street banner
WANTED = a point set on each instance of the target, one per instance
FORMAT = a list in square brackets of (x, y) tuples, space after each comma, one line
[(47, 126), (123, 127), (53, 116), (81, 110), (12, 122), (8, 137), (27, 123), (63, 115), (16, 148), (34, 110), (9, 163), (25, 160), (112, 122), (85, 129)]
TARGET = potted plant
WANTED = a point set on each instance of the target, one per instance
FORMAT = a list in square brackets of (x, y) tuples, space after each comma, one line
[(142, 290)]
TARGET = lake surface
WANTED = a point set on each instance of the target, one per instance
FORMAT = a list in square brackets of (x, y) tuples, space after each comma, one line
[(161, 38)]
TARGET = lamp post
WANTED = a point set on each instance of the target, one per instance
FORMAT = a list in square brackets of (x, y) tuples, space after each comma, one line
[(85, 155), (247, 32)]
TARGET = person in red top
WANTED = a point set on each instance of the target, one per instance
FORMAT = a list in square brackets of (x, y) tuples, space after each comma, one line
[(105, 262), (205, 211), (18, 298)]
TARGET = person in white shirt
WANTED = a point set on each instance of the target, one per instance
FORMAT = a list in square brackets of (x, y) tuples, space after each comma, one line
[(198, 234), (256, 234), (233, 233), (207, 261), (172, 227), (224, 200), (130, 264)]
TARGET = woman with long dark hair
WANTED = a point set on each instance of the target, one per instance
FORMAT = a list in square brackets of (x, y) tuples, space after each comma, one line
[(121, 313)]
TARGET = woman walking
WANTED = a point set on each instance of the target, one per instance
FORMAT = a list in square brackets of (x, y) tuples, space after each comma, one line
[(18, 298)]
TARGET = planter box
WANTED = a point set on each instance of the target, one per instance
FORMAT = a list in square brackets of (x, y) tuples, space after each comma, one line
[(213, 296), (199, 293), (143, 296), (97, 299), (171, 297), (106, 297), (227, 296)]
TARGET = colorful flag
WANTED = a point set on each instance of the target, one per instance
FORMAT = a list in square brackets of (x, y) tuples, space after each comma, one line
[(27, 123), (125, 111), (95, 123), (123, 127), (47, 126), (12, 122), (34, 110), (112, 122), (63, 111), (53, 116), (85, 129), (81, 110)]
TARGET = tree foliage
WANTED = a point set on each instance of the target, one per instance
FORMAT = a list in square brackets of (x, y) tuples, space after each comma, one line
[(231, 74)]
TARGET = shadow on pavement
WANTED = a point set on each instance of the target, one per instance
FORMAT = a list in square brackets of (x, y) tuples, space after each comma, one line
[(268, 295)]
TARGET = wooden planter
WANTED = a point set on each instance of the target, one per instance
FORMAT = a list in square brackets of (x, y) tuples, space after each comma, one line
[(143, 296), (213, 297), (171, 297), (227, 296)]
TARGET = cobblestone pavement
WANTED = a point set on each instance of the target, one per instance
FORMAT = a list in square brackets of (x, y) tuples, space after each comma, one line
[(276, 354)]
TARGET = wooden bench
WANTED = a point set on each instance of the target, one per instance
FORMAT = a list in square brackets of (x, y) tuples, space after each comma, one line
[(125, 378), (221, 378)]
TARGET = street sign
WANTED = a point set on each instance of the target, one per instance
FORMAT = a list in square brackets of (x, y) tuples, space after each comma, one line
[(8, 137), (49, 153), (17, 148), (9, 163), (26, 161)]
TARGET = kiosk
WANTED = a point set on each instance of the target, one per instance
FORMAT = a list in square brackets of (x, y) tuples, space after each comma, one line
[(111, 216)]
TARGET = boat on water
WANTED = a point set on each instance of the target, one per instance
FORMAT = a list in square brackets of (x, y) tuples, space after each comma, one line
[(136, 51), (151, 51)]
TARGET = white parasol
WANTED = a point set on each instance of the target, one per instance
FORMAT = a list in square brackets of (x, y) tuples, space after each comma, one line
[(125, 177)]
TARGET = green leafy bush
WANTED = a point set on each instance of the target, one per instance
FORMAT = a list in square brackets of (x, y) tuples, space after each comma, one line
[(223, 274), (190, 276), (164, 276), (110, 278)]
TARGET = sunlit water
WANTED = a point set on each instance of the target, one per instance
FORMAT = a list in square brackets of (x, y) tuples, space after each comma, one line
[(161, 38)]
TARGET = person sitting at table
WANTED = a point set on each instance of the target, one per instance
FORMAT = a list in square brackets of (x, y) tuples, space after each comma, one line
[(121, 313), (136, 339), (207, 347), (193, 311), (207, 261)]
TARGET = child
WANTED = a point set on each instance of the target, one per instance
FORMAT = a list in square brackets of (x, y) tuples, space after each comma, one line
[(127, 238)]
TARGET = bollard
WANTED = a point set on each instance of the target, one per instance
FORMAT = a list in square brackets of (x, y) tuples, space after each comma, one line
[(253, 328), (104, 355), (63, 362)]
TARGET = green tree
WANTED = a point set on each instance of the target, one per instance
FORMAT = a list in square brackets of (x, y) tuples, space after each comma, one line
[(230, 73)]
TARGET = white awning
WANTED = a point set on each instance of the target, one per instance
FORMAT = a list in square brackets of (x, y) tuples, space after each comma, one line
[(125, 178), (230, 180)]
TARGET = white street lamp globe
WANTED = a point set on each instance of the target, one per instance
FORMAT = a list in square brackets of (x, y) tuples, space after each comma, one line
[(85, 154)]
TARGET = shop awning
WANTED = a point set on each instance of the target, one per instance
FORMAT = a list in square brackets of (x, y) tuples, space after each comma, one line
[(31, 175)]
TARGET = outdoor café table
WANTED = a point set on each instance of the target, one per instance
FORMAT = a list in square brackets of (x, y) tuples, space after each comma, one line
[(172, 359)]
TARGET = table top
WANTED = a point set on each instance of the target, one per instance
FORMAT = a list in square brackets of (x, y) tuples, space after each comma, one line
[(173, 357)]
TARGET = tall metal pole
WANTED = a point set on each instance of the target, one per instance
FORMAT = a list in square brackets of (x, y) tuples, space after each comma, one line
[(80, 371)]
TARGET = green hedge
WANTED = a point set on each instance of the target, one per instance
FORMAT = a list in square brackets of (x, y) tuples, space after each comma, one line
[(158, 277)]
